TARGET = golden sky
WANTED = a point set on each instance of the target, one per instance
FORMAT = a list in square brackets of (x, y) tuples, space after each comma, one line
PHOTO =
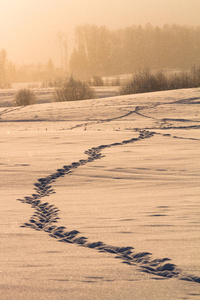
[(28, 28)]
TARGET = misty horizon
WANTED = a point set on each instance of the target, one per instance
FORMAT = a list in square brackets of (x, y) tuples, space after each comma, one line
[(28, 28), (101, 52)]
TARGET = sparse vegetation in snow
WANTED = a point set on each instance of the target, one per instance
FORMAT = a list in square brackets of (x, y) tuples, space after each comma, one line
[(24, 97), (97, 81), (72, 90), (146, 81)]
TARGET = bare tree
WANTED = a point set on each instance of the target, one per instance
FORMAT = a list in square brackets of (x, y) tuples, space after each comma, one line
[(62, 42)]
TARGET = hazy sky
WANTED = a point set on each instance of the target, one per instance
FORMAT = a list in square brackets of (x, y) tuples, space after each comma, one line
[(28, 28)]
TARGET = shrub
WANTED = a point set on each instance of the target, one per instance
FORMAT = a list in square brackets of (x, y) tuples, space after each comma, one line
[(97, 81), (116, 81), (73, 90), (145, 81), (24, 97)]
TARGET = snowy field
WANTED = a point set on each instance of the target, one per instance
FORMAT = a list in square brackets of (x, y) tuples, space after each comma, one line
[(100, 198)]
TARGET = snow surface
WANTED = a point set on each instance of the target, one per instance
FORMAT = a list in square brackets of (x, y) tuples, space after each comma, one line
[(140, 188)]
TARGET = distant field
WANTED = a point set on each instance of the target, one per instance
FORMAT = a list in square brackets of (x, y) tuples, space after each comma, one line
[(45, 95)]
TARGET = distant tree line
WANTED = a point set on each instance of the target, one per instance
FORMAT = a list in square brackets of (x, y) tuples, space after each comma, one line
[(45, 73), (100, 51), (7, 71)]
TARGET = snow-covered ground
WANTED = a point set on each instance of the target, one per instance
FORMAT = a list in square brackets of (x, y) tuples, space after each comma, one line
[(138, 186)]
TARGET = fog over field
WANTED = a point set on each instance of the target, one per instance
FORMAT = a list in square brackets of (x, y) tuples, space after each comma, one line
[(29, 27), (48, 40), (99, 149)]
